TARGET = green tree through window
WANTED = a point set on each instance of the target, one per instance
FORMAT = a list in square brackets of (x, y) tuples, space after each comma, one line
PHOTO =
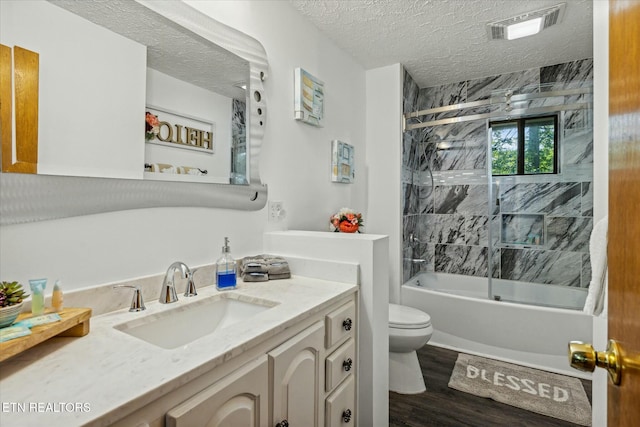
[(524, 146), (504, 149)]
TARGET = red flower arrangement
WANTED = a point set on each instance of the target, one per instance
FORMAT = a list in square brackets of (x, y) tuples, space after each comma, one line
[(346, 221), (152, 126)]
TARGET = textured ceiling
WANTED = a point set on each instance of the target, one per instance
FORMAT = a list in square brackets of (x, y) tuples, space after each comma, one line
[(445, 41), (171, 49)]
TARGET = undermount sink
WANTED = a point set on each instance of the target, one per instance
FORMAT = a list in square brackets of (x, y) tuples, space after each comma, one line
[(185, 323)]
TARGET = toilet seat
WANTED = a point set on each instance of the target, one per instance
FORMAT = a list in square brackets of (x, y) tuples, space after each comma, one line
[(403, 317)]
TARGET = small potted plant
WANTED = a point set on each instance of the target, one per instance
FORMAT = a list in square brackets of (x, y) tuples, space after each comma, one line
[(346, 221), (11, 297)]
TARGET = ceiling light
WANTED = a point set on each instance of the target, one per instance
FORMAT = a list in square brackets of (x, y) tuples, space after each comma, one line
[(526, 24), (524, 29)]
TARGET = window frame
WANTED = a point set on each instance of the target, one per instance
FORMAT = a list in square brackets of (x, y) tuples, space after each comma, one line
[(520, 153)]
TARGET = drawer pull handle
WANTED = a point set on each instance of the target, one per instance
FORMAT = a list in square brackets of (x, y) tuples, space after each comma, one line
[(347, 324), (347, 364), (346, 416), (283, 423)]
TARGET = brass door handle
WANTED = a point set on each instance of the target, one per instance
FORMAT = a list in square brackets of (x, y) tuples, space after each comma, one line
[(583, 357)]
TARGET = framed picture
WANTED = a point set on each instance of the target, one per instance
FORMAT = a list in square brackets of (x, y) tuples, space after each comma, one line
[(309, 98), (342, 163)]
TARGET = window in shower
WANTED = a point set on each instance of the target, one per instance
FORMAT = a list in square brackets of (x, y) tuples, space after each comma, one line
[(525, 146)]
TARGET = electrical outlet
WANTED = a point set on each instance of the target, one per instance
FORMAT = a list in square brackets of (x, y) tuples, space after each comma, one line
[(276, 211)]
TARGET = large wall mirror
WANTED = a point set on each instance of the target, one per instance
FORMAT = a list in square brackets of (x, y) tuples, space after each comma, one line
[(140, 104)]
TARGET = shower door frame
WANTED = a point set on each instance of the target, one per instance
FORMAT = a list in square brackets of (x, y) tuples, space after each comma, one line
[(506, 111)]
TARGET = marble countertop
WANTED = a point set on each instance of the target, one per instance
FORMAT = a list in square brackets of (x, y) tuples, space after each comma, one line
[(108, 374)]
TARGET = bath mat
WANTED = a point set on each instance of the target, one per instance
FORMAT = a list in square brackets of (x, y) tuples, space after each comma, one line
[(554, 395)]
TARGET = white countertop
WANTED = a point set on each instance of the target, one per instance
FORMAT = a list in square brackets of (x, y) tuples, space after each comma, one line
[(109, 374)]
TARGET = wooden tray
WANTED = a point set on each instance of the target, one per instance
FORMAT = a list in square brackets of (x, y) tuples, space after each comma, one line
[(74, 323)]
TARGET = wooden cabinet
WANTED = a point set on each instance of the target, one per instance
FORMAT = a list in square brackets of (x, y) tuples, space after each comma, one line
[(340, 324), (303, 376), (341, 366), (339, 407), (313, 374), (239, 399), (296, 378)]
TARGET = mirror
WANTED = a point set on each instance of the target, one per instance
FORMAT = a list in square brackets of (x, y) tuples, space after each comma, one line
[(171, 62)]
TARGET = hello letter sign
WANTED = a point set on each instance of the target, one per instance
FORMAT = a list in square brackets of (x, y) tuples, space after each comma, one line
[(180, 131)]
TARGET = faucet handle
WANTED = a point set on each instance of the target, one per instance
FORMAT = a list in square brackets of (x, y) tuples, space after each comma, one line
[(190, 290), (137, 303)]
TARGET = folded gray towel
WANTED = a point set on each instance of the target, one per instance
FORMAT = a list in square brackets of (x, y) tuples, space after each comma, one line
[(259, 268), (279, 276), (279, 268), (253, 264), (276, 265), (255, 277)]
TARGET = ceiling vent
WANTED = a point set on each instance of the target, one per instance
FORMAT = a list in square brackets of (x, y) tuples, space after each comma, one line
[(526, 24)]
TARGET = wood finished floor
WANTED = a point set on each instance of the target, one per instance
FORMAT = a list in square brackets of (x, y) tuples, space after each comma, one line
[(442, 406)]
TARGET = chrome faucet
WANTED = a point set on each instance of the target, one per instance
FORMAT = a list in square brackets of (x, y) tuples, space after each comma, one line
[(137, 303), (190, 289), (168, 290)]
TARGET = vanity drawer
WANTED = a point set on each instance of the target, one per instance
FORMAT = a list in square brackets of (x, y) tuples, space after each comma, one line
[(340, 323), (340, 405), (340, 364)]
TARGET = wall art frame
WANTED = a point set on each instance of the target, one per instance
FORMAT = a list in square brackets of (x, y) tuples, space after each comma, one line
[(308, 98), (342, 162)]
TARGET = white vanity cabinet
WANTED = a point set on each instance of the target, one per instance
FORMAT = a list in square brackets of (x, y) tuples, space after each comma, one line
[(295, 369), (303, 376), (239, 399), (313, 374), (340, 404), (341, 366)]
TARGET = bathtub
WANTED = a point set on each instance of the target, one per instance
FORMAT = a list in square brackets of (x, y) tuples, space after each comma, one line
[(465, 320)]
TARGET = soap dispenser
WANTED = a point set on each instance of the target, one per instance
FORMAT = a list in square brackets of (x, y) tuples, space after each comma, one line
[(226, 269)]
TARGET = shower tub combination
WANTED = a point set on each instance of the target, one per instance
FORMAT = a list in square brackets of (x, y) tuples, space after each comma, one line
[(541, 218), (466, 320)]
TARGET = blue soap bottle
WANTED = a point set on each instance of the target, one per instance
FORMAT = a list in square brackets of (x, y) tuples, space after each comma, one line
[(226, 269)]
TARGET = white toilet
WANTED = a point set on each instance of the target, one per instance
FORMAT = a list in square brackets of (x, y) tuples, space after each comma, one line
[(409, 330)]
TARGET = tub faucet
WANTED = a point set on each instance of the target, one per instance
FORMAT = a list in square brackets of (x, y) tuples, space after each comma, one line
[(416, 260), (168, 290), (414, 239)]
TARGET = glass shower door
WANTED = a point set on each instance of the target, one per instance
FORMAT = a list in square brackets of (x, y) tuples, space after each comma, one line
[(540, 205)]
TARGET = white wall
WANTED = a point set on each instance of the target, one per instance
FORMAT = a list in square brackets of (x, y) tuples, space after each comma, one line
[(295, 163), (384, 160), (600, 109), (600, 179), (297, 155), (370, 252), (76, 63)]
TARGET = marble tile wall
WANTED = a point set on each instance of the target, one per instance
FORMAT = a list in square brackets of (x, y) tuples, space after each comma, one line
[(446, 224), (238, 142)]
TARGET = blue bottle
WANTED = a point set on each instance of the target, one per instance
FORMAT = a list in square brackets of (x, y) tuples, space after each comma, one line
[(226, 269)]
